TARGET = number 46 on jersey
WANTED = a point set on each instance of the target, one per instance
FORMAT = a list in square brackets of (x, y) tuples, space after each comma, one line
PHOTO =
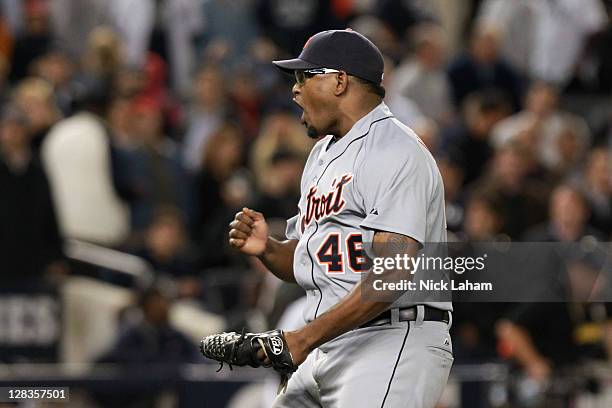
[(332, 253)]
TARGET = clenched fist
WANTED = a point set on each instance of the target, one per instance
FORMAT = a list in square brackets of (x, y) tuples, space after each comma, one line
[(249, 232)]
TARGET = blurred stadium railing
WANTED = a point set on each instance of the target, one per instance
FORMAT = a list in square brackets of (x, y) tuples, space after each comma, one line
[(94, 259), (103, 284)]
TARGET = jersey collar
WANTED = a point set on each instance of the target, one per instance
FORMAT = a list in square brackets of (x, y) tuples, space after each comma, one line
[(360, 128)]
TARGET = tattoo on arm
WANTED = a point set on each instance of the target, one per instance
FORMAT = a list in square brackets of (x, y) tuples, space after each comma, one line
[(389, 243)]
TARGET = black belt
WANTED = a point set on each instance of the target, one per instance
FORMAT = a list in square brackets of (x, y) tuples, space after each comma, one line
[(409, 314)]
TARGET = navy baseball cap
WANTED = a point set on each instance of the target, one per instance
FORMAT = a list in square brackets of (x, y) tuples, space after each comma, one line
[(344, 50)]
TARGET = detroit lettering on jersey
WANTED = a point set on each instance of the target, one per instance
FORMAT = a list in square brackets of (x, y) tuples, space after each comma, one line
[(326, 204)]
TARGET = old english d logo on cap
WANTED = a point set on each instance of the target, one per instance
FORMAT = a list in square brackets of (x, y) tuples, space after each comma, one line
[(307, 42)]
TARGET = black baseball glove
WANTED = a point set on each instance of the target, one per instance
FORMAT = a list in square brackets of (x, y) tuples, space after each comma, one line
[(242, 349)]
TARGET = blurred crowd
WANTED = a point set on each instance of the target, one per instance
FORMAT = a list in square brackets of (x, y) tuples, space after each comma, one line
[(145, 125)]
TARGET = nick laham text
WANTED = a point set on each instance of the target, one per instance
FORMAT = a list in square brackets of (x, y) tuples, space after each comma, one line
[(432, 285)]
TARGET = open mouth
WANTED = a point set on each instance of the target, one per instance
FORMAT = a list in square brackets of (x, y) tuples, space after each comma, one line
[(303, 117)]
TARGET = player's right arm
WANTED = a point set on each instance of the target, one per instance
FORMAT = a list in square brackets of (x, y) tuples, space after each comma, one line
[(249, 233)]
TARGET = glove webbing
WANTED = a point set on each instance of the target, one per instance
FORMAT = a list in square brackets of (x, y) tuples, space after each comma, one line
[(234, 346)]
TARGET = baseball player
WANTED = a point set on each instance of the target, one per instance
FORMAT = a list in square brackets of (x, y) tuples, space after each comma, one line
[(369, 180)]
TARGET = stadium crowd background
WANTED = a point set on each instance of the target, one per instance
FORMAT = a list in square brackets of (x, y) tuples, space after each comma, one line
[(143, 126)]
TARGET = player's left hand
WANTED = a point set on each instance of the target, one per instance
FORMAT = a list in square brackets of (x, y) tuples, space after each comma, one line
[(267, 349)]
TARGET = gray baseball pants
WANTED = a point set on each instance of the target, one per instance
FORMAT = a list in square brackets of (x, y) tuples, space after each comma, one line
[(402, 364)]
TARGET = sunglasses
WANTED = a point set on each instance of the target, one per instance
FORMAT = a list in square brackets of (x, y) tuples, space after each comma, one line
[(302, 74)]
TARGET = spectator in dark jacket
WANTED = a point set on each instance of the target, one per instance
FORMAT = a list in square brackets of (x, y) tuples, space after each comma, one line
[(289, 26), (482, 68), (153, 345), (468, 142), (30, 242), (35, 40), (166, 247), (156, 174), (221, 190), (569, 216), (152, 340)]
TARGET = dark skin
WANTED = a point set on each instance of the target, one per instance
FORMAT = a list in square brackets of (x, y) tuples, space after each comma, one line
[(332, 103)]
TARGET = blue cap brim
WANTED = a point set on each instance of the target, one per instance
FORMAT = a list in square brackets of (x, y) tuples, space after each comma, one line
[(291, 65)]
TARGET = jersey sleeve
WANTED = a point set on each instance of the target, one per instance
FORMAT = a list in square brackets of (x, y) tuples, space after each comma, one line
[(291, 231), (395, 188)]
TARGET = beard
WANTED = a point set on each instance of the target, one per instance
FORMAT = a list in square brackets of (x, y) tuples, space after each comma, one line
[(312, 132)]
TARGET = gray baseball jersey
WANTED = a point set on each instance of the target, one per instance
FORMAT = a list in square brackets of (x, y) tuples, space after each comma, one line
[(379, 176)]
